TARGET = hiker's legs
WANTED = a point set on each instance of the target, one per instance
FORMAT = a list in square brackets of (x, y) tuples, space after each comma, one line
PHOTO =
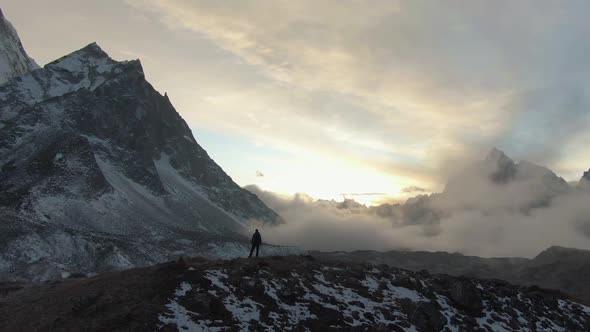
[(252, 250), (257, 247)]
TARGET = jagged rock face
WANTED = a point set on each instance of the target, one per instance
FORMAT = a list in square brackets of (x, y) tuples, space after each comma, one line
[(14, 61), (287, 293), (88, 145)]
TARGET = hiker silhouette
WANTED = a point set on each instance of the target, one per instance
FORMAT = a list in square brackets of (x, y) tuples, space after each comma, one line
[(256, 241)]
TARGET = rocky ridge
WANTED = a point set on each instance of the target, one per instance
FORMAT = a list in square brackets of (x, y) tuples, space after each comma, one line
[(559, 268), (288, 293)]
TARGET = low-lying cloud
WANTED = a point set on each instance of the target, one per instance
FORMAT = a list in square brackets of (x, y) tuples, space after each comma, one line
[(519, 216)]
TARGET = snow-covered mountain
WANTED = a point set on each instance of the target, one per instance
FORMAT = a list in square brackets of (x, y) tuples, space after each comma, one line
[(99, 171), (287, 294), (14, 61)]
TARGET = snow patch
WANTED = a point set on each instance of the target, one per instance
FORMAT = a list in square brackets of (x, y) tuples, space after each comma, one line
[(184, 319)]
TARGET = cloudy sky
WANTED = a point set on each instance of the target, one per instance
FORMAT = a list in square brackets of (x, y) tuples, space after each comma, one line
[(375, 100)]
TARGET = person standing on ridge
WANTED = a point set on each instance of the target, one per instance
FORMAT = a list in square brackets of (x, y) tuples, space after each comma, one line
[(256, 241)]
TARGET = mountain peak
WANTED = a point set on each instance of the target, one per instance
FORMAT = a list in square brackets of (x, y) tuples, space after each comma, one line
[(88, 68), (91, 62), (95, 50), (90, 53), (497, 155)]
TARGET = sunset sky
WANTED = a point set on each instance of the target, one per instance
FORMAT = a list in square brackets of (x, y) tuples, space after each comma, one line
[(371, 100)]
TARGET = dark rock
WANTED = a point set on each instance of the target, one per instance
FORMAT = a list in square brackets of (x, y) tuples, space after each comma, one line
[(467, 296), (427, 317)]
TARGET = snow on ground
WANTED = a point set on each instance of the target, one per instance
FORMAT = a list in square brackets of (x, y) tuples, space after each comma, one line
[(371, 283), (396, 292), (244, 309), (183, 318), (216, 278), (294, 313), (272, 296), (355, 307)]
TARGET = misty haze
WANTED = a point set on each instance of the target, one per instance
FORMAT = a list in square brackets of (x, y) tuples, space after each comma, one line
[(294, 165)]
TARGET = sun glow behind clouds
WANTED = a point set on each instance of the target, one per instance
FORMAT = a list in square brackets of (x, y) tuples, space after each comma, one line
[(299, 171), (323, 178)]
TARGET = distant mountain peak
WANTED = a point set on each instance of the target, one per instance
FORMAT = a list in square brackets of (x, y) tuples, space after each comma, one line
[(502, 169), (498, 156)]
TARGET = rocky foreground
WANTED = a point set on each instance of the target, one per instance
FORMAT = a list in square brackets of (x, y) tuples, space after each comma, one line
[(297, 293), (564, 269)]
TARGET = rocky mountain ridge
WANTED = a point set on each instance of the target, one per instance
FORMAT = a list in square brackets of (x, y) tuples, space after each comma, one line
[(287, 293), (559, 268)]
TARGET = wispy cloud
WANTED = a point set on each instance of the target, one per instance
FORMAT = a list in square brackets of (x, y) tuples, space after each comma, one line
[(405, 83), (413, 190)]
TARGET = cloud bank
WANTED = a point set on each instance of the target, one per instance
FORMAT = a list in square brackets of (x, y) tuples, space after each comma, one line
[(490, 209)]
